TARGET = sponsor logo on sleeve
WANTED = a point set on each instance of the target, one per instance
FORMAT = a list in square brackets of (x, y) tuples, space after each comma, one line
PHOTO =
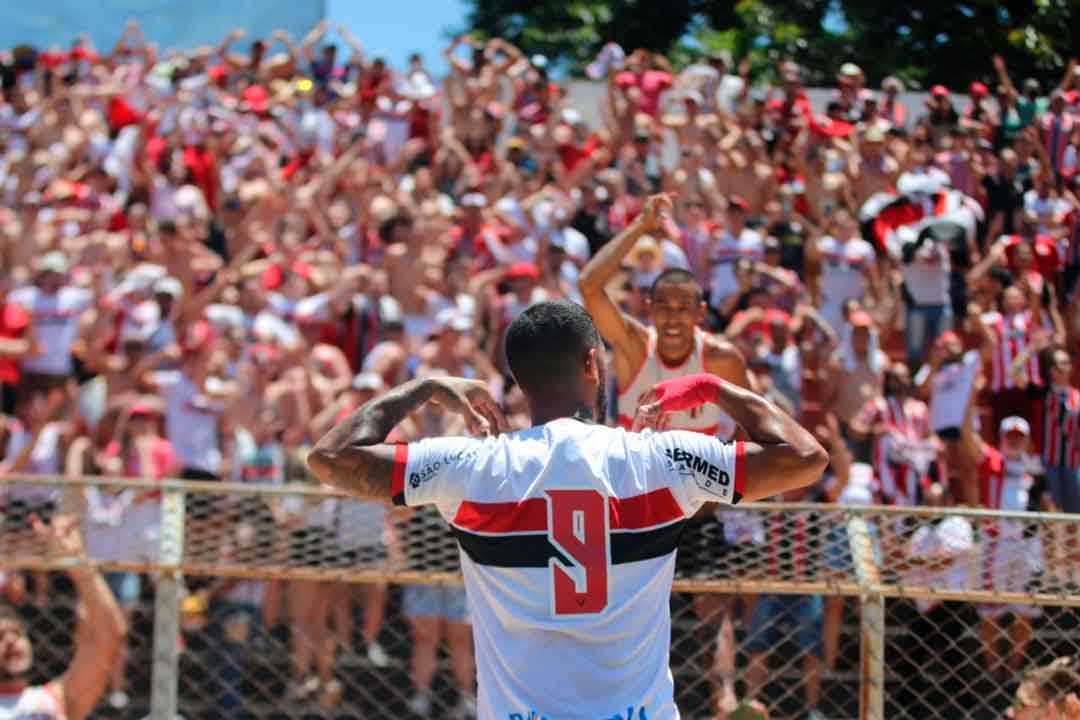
[(708, 477)]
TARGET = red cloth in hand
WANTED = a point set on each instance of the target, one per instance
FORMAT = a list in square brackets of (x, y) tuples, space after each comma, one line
[(687, 392)]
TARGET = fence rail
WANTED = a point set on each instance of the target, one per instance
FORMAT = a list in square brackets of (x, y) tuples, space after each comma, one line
[(867, 612)]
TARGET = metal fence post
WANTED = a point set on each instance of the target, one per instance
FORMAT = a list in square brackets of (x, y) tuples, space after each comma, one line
[(871, 621), (166, 656)]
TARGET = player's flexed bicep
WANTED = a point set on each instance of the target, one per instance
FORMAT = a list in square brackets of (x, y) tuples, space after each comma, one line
[(698, 468)]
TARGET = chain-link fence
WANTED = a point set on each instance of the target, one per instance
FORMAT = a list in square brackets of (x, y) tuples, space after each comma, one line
[(280, 602)]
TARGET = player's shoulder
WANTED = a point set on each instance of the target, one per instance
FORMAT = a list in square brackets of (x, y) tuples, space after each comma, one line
[(719, 349)]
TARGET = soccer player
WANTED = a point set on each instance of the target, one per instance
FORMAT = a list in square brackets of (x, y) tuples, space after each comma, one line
[(568, 528), (674, 346), (100, 630)]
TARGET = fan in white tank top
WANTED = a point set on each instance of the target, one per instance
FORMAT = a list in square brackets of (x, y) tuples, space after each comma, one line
[(709, 419), (40, 702)]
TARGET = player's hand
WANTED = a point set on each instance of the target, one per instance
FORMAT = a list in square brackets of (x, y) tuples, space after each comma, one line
[(651, 415), (61, 536), (472, 400), (656, 212)]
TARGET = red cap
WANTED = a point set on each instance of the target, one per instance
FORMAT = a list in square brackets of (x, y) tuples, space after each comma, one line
[(939, 91), (257, 98), (198, 337), (977, 89), (522, 271), (120, 114), (737, 201), (141, 409), (218, 73), (946, 337), (860, 318), (272, 277)]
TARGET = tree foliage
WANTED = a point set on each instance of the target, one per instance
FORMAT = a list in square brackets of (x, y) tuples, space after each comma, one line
[(923, 42)]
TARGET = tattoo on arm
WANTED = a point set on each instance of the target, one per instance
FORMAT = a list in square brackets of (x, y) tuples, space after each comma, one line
[(351, 455)]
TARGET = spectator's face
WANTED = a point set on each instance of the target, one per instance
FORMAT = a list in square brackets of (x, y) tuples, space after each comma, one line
[(50, 282), (142, 425), (898, 380), (1060, 367), (1012, 300), (1024, 257), (1014, 444), (16, 653), (954, 350), (676, 309)]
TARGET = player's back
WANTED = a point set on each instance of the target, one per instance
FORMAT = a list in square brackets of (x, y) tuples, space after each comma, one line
[(568, 532)]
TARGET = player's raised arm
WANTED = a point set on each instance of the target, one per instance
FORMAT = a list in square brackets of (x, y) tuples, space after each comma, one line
[(354, 456), (624, 333), (101, 626), (780, 455)]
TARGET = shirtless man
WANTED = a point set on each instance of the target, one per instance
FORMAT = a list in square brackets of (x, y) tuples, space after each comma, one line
[(99, 632), (872, 170), (749, 172), (674, 346)]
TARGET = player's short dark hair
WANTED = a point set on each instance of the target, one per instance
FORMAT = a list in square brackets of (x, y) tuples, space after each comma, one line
[(548, 342), (675, 276)]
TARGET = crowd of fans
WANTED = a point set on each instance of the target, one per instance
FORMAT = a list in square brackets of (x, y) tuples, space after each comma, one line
[(209, 257)]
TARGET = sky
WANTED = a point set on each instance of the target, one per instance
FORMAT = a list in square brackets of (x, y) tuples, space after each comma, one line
[(400, 27)]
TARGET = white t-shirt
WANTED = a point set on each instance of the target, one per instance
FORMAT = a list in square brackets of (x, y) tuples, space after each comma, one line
[(950, 388), (41, 702), (56, 320), (568, 534), (44, 460), (843, 265), (727, 249), (191, 422), (927, 275)]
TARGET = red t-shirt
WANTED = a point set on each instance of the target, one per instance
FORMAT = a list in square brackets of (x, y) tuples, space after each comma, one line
[(14, 319), (1047, 259), (651, 82), (162, 456)]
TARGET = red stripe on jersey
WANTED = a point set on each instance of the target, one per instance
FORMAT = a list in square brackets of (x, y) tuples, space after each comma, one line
[(503, 517), (638, 512), (397, 479), (643, 511), (740, 468)]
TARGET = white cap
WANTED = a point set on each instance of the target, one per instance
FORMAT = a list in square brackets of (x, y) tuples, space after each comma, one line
[(452, 319), (169, 286), (473, 199), (54, 261), (1015, 423), (368, 381)]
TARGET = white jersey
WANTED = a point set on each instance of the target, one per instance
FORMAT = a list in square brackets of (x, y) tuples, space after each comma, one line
[(191, 422), (41, 702), (56, 322), (568, 534), (708, 419), (951, 388), (725, 252), (843, 268)]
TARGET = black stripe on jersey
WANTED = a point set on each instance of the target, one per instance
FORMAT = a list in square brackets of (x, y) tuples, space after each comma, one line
[(535, 549)]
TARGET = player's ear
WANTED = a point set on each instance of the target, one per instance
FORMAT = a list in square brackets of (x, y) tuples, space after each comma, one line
[(592, 364), (701, 308)]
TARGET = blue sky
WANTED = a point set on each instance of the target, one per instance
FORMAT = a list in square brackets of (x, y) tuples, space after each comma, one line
[(399, 27)]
